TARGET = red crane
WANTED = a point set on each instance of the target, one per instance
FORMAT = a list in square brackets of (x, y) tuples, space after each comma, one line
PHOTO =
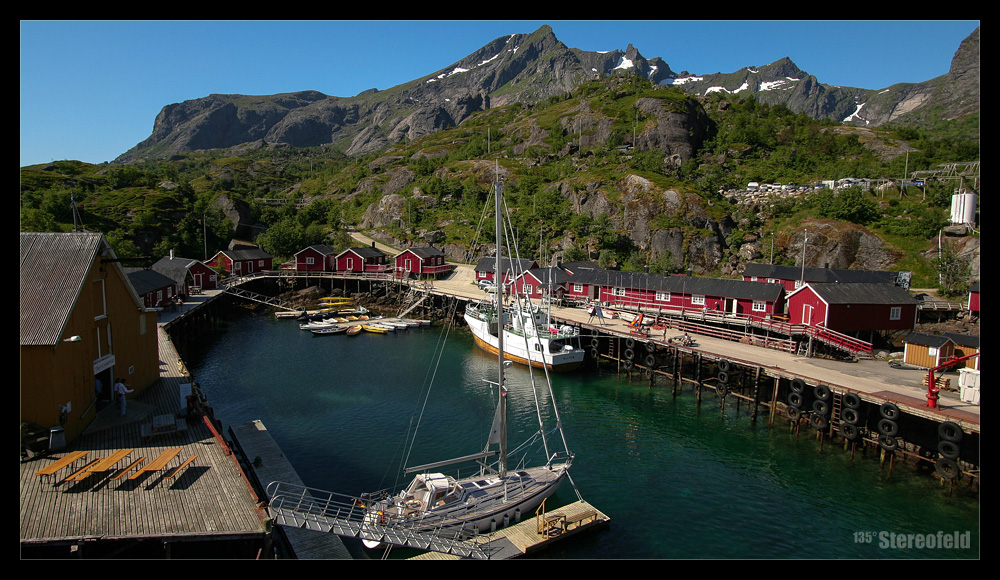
[(932, 391)]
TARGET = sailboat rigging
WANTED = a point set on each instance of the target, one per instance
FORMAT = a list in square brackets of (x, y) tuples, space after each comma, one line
[(461, 508)]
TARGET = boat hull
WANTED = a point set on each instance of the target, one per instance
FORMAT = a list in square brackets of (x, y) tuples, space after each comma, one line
[(514, 348), (520, 503)]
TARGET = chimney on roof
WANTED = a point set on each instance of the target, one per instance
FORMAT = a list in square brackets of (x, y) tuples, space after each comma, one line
[(373, 244)]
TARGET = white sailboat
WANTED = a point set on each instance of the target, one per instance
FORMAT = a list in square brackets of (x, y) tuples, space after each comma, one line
[(528, 335), (495, 495)]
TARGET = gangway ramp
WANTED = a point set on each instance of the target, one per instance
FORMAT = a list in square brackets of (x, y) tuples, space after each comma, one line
[(323, 511)]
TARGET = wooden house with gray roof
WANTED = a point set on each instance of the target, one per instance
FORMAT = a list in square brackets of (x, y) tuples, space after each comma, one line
[(190, 275), (82, 325), (793, 277)]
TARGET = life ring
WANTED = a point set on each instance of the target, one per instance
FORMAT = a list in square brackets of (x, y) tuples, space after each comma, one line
[(822, 392), (949, 449), (650, 361), (949, 431), (888, 427), (723, 377), (798, 385), (821, 407), (818, 422), (722, 389), (795, 400), (947, 468), (850, 415), (849, 431), (629, 354), (794, 413), (852, 401), (889, 411), (724, 365), (887, 442)]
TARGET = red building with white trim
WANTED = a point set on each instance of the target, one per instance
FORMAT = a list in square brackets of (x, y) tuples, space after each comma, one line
[(316, 258), (853, 308), (419, 262)]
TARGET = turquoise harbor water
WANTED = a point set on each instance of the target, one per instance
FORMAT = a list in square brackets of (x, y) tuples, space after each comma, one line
[(678, 480)]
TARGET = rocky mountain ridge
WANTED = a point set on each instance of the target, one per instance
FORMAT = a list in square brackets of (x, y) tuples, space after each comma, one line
[(524, 68)]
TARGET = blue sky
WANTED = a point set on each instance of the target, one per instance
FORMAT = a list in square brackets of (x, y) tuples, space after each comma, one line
[(90, 90)]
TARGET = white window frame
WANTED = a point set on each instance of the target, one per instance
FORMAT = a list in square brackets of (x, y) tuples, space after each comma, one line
[(759, 306), (698, 299), (663, 296), (578, 288), (896, 313), (527, 289), (620, 292)]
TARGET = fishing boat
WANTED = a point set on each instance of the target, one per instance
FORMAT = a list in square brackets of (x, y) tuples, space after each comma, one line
[(374, 328), (354, 330), (529, 336), (498, 493)]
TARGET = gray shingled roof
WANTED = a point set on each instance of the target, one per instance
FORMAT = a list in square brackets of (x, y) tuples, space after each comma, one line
[(145, 281), (819, 274), (425, 252), (924, 339), (862, 294), (364, 252), (681, 284), (174, 268), (488, 264)]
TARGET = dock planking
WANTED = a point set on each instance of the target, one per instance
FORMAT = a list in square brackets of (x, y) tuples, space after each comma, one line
[(209, 500)]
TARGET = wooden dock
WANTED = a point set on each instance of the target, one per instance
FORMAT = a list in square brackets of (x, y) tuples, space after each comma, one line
[(267, 463), (206, 508), (536, 532)]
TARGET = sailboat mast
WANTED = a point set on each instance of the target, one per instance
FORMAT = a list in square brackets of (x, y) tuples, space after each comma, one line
[(498, 296)]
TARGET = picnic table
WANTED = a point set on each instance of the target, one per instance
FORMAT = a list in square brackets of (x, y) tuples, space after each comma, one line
[(161, 462), (54, 467), (101, 465)]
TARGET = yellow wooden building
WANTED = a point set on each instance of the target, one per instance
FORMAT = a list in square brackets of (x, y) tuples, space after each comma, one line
[(82, 327)]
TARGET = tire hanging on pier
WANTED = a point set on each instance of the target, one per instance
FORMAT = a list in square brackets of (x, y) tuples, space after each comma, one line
[(849, 431), (798, 386), (723, 377), (850, 415), (650, 361), (818, 422), (629, 354), (627, 364), (852, 401), (949, 431), (795, 400), (887, 427), (822, 392), (887, 442), (723, 365), (949, 449), (889, 411), (794, 413), (947, 468), (821, 407)]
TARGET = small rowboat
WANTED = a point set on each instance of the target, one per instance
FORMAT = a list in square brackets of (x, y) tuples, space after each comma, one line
[(353, 330), (332, 329), (374, 329)]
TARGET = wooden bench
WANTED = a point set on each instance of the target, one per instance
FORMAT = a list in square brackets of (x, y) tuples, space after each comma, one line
[(180, 467), (54, 467), (580, 517), (82, 470), (121, 473), (157, 464), (104, 464)]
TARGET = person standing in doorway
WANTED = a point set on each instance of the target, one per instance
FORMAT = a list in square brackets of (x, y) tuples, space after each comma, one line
[(120, 390)]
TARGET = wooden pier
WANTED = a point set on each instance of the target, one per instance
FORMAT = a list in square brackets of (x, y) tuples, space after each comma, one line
[(194, 502), (536, 532)]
